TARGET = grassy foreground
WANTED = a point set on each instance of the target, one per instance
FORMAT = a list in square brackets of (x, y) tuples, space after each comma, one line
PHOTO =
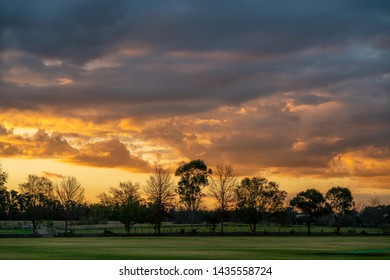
[(218, 247)]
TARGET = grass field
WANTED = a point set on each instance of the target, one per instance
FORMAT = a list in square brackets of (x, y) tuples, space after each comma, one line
[(217, 247)]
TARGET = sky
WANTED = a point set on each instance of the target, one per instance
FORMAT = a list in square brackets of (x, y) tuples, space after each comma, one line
[(294, 91)]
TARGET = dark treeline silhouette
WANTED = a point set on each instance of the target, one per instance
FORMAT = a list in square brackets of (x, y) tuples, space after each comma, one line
[(252, 201)]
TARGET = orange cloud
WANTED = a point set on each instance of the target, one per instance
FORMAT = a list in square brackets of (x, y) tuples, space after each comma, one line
[(41, 144), (359, 164), (109, 153), (264, 136), (105, 153)]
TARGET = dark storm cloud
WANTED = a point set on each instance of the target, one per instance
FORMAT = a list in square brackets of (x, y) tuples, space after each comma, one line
[(71, 30), (275, 46), (80, 30)]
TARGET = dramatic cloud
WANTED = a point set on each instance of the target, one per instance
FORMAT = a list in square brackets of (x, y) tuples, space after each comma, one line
[(273, 133), (111, 153), (162, 58), (287, 88), (107, 153)]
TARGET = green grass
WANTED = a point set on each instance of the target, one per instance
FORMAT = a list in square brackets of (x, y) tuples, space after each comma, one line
[(215, 247)]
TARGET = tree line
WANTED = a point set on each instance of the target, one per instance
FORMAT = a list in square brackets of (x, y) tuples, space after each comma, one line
[(249, 200)]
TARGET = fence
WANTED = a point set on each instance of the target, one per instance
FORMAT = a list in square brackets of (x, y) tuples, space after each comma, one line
[(115, 228)]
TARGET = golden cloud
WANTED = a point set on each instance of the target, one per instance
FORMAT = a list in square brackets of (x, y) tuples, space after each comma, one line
[(106, 153), (110, 153)]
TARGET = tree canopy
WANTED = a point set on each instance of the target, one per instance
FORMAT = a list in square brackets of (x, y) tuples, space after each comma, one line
[(125, 201), (223, 183), (311, 202), (340, 201), (3, 177), (160, 194), (70, 194), (256, 197), (194, 175), (37, 198)]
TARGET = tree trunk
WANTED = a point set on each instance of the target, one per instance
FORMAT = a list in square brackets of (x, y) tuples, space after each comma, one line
[(222, 215), (192, 218), (159, 227), (337, 222), (66, 226), (34, 229), (127, 229), (158, 218), (308, 225)]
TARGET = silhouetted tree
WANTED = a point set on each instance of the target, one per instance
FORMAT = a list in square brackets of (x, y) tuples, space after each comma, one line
[(340, 201), (3, 177), (377, 216), (223, 183), (70, 194), (4, 194), (4, 198), (14, 208), (194, 177), (374, 201), (9, 200), (36, 199), (311, 202), (99, 213), (368, 213), (125, 202), (256, 197), (160, 194)]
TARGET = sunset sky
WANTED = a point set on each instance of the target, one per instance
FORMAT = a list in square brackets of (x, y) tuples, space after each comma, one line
[(294, 91)]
